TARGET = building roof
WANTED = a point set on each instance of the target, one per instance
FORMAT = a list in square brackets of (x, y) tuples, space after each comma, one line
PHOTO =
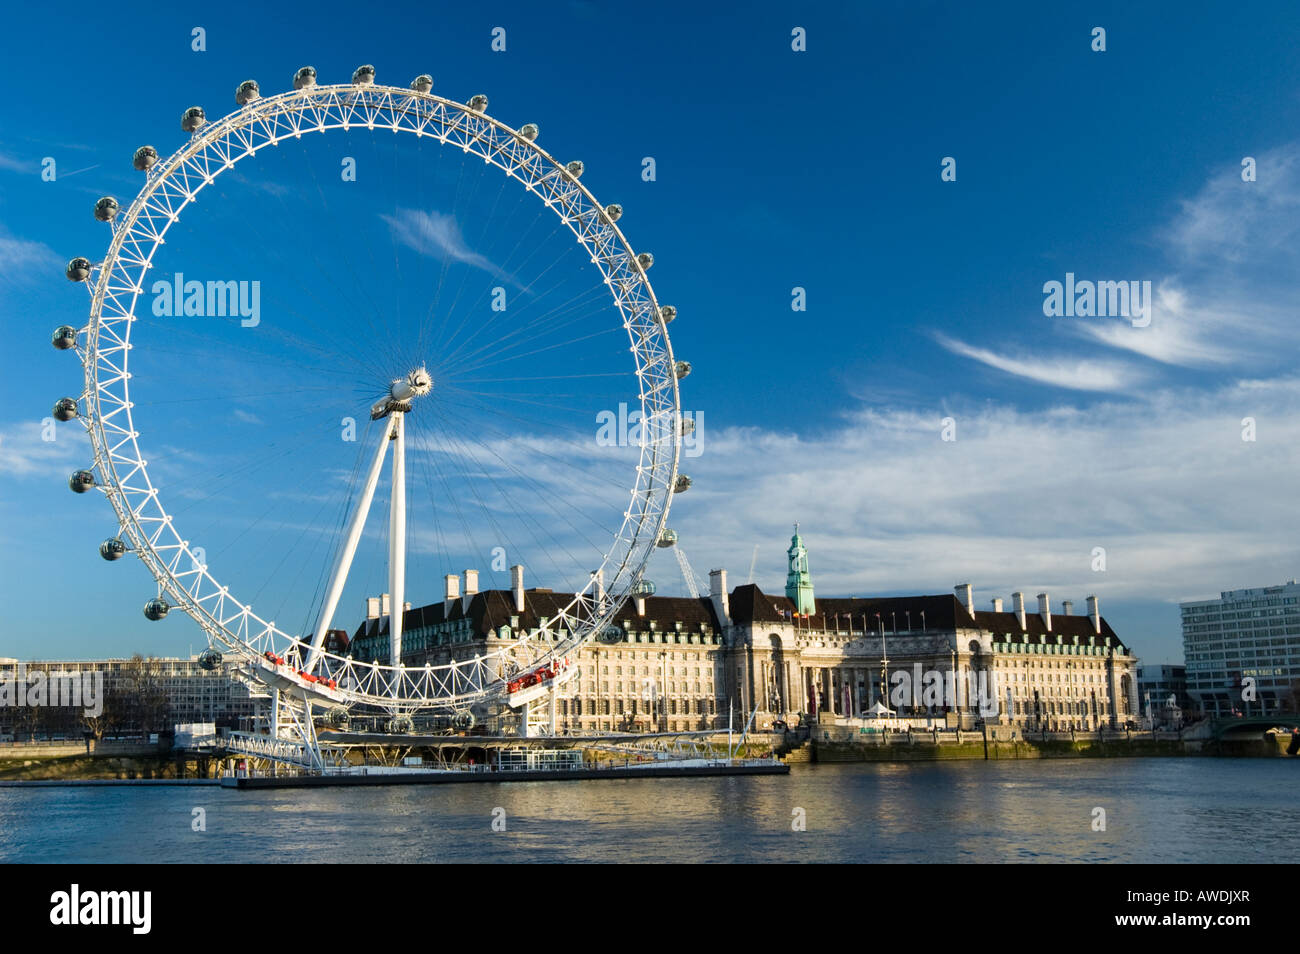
[(749, 604), (1036, 630), (489, 610)]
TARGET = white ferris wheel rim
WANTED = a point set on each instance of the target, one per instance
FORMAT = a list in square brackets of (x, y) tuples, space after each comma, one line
[(121, 470)]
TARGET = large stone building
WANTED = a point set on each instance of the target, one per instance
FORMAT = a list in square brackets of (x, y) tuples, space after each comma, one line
[(682, 663)]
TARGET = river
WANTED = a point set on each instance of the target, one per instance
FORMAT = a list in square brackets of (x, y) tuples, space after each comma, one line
[(1156, 810)]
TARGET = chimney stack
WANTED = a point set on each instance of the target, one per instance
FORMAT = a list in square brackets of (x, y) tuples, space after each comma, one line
[(1066, 607), (997, 604), (372, 607), (719, 597), (451, 593), (471, 587), (517, 586), (640, 604), (598, 586), (1018, 604), (1094, 614), (1045, 610), (385, 605), (967, 596)]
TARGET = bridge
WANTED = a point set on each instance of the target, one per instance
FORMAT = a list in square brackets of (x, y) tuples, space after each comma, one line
[(1252, 726)]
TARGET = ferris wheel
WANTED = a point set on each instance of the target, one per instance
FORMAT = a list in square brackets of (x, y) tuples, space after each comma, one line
[(299, 662)]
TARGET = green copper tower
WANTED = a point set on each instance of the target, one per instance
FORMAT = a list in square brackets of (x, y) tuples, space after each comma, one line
[(798, 582)]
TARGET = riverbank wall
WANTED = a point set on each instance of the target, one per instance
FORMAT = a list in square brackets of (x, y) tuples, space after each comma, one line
[(92, 760), (847, 744)]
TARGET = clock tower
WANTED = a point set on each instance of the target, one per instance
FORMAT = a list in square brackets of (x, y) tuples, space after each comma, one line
[(798, 581)]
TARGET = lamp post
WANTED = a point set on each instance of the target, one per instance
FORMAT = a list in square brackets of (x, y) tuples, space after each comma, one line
[(884, 664)]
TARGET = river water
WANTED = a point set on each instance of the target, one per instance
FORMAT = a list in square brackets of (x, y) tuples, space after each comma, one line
[(1156, 810)]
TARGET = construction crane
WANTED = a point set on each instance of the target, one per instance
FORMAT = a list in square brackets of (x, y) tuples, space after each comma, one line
[(668, 540), (688, 574)]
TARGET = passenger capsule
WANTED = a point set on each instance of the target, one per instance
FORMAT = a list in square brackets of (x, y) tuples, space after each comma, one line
[(247, 92), (422, 83), (65, 409), (106, 209), (478, 103), (338, 717), (144, 158), (643, 588), (613, 211), (530, 131), (304, 78), (645, 260), (64, 337), (156, 609), (667, 539), (192, 119), (575, 169), (78, 270), (399, 725), (81, 481), (683, 484), (112, 549), (688, 426), (668, 313), (682, 369), (463, 719), (364, 75), (210, 660)]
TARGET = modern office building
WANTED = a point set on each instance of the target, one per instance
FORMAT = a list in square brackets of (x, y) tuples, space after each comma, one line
[(1242, 650), (1158, 683), (1162, 694), (138, 695)]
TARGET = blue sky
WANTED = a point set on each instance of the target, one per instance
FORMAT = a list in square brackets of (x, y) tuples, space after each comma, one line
[(775, 169)]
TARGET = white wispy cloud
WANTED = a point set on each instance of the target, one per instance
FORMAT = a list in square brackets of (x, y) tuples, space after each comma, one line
[(1226, 303), (1073, 373), (25, 259), (1163, 481), (1241, 222), (438, 235), (12, 163), (26, 452)]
